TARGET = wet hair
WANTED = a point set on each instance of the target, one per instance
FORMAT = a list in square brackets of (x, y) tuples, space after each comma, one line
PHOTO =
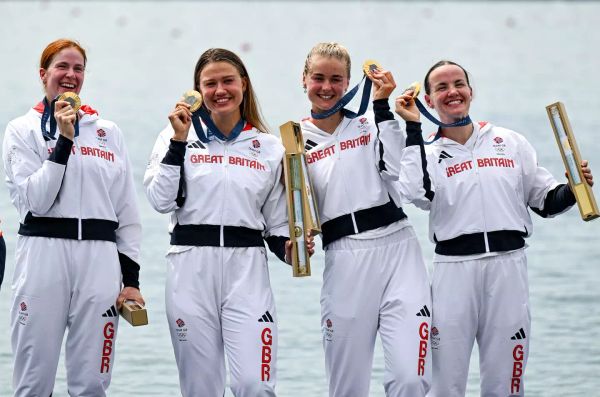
[(57, 46), (437, 65), (333, 50), (249, 108)]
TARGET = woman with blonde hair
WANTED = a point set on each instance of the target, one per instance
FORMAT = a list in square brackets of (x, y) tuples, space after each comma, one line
[(375, 280)]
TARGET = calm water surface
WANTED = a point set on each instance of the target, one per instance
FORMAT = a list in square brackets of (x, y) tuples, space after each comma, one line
[(522, 56)]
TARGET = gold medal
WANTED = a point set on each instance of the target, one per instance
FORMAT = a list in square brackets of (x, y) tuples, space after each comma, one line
[(193, 98), (370, 65), (72, 98), (416, 89)]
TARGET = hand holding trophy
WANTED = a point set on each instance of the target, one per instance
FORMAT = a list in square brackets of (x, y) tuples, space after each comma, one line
[(302, 208)]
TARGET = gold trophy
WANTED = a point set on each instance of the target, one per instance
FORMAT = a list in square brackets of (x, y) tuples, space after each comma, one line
[(302, 207), (134, 313), (572, 159)]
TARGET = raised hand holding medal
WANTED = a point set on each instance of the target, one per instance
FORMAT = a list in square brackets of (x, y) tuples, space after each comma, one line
[(66, 106), (369, 67)]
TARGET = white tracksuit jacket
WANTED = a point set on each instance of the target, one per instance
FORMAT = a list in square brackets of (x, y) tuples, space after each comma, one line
[(496, 182), (374, 157), (80, 234), (97, 184), (227, 184)]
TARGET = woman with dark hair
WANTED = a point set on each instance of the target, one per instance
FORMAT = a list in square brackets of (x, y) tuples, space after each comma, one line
[(223, 190), (478, 181), (79, 238)]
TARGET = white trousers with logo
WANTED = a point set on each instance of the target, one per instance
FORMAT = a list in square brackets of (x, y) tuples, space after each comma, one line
[(369, 286), (485, 300), (218, 301), (60, 284)]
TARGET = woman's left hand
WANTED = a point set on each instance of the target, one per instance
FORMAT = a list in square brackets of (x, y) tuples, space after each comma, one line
[(310, 245), (587, 172), (383, 83), (130, 293)]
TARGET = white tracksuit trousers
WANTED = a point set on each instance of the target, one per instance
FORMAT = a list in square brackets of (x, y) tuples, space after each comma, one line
[(220, 298), (59, 284), (376, 285), (485, 300)]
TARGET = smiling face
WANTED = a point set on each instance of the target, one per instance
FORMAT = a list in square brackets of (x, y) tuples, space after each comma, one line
[(450, 94), (65, 72), (326, 82), (222, 89)]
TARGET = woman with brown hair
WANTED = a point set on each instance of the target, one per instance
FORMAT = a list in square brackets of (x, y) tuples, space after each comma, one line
[(221, 183)]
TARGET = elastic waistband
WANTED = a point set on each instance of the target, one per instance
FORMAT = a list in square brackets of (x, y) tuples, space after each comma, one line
[(469, 244), (367, 219), (210, 235), (68, 228)]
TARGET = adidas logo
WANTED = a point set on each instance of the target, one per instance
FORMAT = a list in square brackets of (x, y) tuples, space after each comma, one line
[(443, 155), (112, 312), (519, 335), (196, 145), (424, 312), (266, 318), (309, 144)]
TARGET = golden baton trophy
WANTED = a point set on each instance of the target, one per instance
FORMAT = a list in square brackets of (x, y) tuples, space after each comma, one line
[(302, 207), (134, 313), (572, 159), (72, 98)]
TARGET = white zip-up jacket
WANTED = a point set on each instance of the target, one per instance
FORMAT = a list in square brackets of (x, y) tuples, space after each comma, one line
[(97, 183), (234, 183), (482, 188), (351, 168)]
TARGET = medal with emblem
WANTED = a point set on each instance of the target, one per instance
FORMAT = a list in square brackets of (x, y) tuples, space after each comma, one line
[(415, 88), (370, 66), (72, 98), (193, 98)]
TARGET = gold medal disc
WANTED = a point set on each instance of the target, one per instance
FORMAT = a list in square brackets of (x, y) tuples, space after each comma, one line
[(193, 98), (370, 65), (72, 98), (416, 88)]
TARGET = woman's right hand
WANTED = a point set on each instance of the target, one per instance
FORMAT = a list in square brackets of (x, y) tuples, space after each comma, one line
[(181, 120), (65, 117), (406, 107)]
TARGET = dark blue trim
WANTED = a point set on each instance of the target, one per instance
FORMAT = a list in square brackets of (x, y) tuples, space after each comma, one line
[(557, 200), (277, 245), (210, 236), (366, 219), (130, 271), (68, 228), (339, 106), (459, 123), (212, 130), (470, 244), (62, 150)]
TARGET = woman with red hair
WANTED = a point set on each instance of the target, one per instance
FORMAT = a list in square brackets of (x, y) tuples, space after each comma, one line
[(79, 238)]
